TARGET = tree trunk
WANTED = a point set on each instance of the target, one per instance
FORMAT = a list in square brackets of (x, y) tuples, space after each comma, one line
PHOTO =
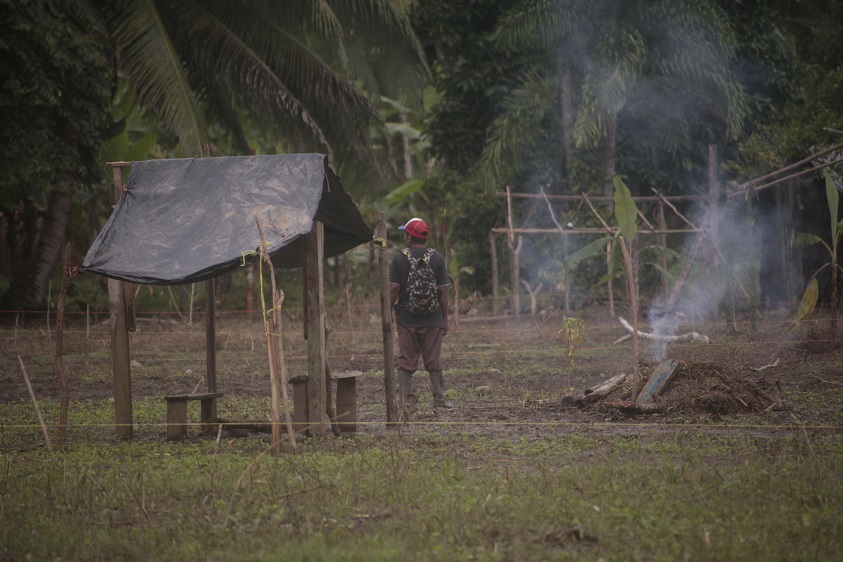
[(568, 116), (29, 286)]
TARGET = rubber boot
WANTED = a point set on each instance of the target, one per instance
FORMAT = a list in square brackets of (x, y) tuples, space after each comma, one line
[(437, 385), (406, 399)]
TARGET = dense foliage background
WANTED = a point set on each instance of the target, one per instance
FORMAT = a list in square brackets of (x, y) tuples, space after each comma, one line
[(425, 108)]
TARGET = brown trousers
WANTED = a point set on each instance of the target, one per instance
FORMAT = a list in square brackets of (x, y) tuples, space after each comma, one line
[(413, 342)]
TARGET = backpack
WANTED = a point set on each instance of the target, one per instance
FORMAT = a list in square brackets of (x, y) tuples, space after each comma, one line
[(422, 292)]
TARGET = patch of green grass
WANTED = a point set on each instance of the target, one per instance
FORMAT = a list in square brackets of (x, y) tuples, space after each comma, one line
[(698, 494)]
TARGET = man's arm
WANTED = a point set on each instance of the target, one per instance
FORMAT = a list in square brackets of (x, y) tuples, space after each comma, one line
[(393, 293)]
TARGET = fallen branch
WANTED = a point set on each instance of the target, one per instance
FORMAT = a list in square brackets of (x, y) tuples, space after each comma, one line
[(759, 369), (690, 336), (598, 391)]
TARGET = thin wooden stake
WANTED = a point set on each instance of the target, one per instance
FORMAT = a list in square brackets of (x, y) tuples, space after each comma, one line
[(514, 250), (275, 348), (633, 313), (59, 364), (389, 381), (35, 403)]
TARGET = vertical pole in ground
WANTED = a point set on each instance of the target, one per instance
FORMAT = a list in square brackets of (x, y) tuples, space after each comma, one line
[(494, 252), (661, 240), (514, 272), (315, 316), (211, 340), (386, 324), (120, 340), (565, 251), (59, 364), (713, 227)]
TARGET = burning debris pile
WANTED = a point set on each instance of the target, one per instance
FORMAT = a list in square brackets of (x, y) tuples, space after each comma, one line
[(688, 387)]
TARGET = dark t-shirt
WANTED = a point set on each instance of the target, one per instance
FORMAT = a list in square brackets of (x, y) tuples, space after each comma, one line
[(399, 270)]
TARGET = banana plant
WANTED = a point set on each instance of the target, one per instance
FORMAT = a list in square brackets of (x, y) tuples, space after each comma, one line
[(809, 298)]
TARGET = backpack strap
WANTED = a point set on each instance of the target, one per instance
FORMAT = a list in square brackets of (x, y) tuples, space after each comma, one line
[(428, 254)]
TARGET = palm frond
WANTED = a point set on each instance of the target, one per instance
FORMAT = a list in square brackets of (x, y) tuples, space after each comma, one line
[(148, 57), (540, 23), (512, 132)]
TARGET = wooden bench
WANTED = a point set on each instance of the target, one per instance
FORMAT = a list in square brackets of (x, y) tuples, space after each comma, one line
[(177, 412)]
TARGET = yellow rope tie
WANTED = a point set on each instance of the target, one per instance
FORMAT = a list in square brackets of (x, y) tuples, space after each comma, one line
[(379, 242), (246, 254)]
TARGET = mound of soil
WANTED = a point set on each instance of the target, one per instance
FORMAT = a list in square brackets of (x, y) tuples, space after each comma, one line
[(698, 387)]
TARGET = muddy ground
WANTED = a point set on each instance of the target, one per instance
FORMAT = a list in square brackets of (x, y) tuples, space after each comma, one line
[(504, 375)]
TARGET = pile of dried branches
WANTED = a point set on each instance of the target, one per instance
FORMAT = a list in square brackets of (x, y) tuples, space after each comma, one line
[(698, 387)]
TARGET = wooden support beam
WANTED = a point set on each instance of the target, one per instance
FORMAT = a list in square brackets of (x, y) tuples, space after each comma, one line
[(494, 251), (211, 341), (390, 386), (121, 369), (315, 315), (713, 203), (600, 198), (514, 266)]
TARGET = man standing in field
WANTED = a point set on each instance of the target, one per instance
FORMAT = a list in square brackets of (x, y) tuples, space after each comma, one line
[(418, 291)]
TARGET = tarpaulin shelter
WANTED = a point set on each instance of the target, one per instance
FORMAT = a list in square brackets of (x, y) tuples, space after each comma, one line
[(188, 220), (191, 219)]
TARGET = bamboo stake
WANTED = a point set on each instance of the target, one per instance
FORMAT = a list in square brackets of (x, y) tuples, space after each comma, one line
[(274, 346), (35, 403)]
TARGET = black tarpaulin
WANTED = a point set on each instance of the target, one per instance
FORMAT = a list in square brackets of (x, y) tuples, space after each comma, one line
[(186, 220)]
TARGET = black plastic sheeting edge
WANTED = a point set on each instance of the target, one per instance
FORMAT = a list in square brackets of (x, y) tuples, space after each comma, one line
[(187, 220)]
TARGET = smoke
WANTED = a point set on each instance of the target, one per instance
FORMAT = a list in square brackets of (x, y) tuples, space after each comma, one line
[(701, 295)]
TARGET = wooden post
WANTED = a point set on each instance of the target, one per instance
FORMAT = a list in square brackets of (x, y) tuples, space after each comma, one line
[(661, 240), (315, 315), (299, 383), (121, 369), (609, 287), (565, 252), (494, 251), (211, 340), (713, 227), (514, 272), (389, 382), (347, 401), (59, 364)]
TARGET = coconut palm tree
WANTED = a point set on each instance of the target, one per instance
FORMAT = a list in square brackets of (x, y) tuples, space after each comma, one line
[(651, 72), (300, 72)]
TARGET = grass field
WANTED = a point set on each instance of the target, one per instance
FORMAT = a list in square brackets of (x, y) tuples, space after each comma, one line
[(512, 473)]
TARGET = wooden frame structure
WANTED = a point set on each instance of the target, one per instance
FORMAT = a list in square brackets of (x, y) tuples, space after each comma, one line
[(121, 309), (706, 231)]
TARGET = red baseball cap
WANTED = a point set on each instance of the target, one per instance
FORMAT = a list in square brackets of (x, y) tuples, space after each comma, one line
[(416, 228)]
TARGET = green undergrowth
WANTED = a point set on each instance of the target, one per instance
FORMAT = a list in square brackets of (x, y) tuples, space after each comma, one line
[(423, 495)]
